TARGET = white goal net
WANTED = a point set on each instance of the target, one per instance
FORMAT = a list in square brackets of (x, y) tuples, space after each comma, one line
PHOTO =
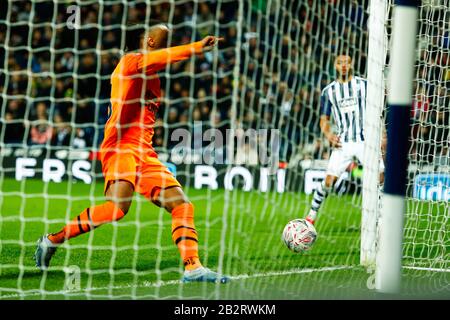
[(56, 60), (426, 242)]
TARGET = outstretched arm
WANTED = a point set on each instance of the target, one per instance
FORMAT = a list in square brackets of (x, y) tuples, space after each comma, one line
[(326, 130), (156, 60)]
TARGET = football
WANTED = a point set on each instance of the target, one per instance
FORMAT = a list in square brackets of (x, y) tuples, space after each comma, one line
[(299, 235)]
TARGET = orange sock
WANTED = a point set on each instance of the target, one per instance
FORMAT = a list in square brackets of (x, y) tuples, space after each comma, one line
[(88, 220), (185, 236)]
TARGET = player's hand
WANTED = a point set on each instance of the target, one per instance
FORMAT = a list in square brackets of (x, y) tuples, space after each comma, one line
[(209, 42), (334, 141)]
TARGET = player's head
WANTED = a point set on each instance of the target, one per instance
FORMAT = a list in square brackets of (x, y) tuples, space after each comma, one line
[(343, 65), (155, 37)]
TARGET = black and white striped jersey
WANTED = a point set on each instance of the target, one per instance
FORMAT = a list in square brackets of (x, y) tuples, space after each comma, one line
[(347, 102)]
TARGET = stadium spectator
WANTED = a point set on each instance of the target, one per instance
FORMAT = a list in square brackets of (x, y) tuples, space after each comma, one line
[(41, 131), (421, 105), (40, 112), (16, 108), (205, 20), (79, 141), (14, 130), (173, 115), (61, 133), (67, 62)]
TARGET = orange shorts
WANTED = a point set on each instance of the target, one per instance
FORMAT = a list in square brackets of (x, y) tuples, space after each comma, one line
[(147, 178)]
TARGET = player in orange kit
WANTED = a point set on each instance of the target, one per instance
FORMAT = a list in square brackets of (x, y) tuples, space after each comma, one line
[(129, 162)]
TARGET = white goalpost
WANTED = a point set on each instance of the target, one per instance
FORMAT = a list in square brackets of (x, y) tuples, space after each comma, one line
[(385, 225), (400, 89), (373, 125), (381, 241)]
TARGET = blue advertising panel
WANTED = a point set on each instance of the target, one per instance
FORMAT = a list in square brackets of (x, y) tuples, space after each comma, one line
[(435, 186)]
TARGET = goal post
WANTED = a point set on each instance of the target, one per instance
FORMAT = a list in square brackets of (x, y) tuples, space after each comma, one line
[(425, 245), (400, 89), (373, 125)]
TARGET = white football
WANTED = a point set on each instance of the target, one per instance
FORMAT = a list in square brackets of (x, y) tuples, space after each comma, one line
[(299, 235)]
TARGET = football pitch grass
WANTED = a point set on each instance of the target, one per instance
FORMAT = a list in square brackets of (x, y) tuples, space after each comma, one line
[(239, 231)]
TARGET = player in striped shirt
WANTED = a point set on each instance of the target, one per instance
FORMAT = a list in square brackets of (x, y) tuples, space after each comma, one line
[(345, 100)]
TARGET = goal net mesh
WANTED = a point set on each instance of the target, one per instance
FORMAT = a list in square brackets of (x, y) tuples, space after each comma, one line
[(56, 59), (426, 241)]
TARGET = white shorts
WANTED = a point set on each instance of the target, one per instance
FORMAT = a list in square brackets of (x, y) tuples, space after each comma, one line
[(342, 157)]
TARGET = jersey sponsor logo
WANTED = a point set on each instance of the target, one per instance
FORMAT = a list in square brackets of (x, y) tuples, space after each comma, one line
[(348, 104)]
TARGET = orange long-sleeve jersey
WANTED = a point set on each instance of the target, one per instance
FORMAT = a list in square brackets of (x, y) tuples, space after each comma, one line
[(135, 99)]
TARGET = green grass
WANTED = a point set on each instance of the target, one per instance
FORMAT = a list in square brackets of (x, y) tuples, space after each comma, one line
[(239, 231)]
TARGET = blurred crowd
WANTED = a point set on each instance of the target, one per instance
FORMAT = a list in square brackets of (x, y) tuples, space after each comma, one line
[(430, 113), (57, 85)]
